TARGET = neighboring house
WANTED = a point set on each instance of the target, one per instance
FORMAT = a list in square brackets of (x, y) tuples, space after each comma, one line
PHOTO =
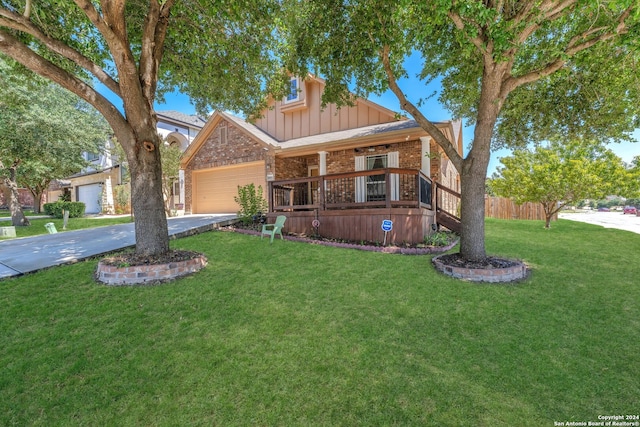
[(349, 168), (179, 128), (25, 198), (94, 185)]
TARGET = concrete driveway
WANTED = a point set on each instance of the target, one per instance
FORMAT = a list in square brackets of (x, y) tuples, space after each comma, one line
[(606, 219), (29, 254)]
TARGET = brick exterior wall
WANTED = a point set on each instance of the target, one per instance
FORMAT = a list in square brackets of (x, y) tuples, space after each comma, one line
[(238, 148), (294, 167), (342, 161)]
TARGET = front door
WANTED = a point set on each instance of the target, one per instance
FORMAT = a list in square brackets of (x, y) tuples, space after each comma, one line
[(376, 184)]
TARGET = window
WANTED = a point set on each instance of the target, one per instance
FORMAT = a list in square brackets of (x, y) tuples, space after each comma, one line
[(176, 188), (175, 193), (91, 157), (376, 184), (294, 90), (376, 162)]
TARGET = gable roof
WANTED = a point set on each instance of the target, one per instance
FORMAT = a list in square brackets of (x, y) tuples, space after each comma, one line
[(218, 116), (192, 120)]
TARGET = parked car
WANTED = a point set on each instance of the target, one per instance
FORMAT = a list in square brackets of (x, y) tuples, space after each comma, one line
[(603, 209), (630, 210)]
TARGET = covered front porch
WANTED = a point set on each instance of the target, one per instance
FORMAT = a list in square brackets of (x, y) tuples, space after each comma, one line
[(352, 206)]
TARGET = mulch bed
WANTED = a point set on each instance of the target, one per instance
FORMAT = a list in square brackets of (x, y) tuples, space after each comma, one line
[(132, 259), (456, 260)]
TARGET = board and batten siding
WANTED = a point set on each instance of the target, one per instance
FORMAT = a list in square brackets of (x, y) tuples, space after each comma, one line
[(307, 118)]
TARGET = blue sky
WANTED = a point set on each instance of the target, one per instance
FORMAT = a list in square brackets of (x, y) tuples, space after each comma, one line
[(432, 110)]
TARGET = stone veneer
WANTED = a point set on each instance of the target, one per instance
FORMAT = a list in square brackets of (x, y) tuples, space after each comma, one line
[(148, 274), (491, 275)]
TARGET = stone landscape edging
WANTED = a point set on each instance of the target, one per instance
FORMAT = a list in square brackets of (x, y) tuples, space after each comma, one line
[(148, 273), (514, 273)]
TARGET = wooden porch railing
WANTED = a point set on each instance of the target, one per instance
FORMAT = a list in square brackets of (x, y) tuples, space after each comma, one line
[(448, 208), (378, 188)]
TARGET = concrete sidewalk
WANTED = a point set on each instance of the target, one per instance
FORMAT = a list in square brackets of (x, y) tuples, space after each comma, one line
[(605, 219), (29, 254)]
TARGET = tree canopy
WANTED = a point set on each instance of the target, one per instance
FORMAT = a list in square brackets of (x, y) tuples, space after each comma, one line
[(218, 53), (632, 187), (484, 53), (44, 131), (559, 174)]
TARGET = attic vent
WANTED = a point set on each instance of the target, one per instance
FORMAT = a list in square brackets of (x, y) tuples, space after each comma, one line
[(223, 134)]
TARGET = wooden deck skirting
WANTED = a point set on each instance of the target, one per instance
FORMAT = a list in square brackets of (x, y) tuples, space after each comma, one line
[(410, 225)]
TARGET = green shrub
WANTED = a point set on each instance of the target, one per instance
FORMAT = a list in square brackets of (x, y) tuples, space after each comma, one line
[(439, 238), (251, 202), (76, 209), (121, 196)]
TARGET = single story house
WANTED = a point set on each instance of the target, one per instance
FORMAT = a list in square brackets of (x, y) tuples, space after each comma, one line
[(335, 171)]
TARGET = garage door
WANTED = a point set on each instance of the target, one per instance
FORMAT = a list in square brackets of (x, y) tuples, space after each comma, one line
[(214, 189), (91, 196)]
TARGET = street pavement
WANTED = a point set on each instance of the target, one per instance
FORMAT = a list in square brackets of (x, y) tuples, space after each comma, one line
[(29, 254), (615, 219)]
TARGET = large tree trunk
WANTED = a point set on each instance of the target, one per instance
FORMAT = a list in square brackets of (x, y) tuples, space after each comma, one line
[(474, 171), (152, 234), (472, 182), (17, 216), (143, 156)]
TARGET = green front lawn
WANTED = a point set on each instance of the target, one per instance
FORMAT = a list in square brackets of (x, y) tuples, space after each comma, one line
[(37, 226), (6, 213), (293, 334)]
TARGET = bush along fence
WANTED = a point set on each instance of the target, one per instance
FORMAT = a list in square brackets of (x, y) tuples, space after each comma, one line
[(56, 209), (503, 208)]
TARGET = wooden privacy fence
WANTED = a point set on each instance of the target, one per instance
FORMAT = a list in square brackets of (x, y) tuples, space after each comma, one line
[(503, 208)]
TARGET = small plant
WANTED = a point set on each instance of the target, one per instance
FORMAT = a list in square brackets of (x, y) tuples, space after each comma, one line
[(251, 202), (438, 239), (121, 195)]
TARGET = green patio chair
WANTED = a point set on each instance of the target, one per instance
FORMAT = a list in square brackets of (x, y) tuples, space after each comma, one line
[(273, 229)]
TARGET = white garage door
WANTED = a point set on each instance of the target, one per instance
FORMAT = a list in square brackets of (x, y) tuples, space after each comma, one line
[(214, 189), (90, 195)]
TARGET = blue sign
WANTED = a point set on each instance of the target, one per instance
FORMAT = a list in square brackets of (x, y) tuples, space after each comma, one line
[(387, 225)]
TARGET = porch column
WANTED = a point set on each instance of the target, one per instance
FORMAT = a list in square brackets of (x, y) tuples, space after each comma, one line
[(322, 165), (426, 151), (181, 184), (322, 171)]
